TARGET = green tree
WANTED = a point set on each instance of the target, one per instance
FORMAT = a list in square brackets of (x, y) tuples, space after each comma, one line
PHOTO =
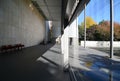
[(116, 31), (81, 32)]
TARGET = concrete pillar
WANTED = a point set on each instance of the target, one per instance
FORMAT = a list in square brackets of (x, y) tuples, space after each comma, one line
[(75, 39), (73, 33), (65, 48), (46, 39)]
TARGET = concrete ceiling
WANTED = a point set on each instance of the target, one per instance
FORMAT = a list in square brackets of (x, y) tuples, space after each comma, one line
[(50, 8)]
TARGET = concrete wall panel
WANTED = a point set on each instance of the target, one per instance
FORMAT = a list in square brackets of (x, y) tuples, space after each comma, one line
[(20, 23), (56, 29)]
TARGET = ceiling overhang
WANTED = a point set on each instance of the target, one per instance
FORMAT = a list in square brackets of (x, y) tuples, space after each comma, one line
[(75, 8), (64, 11), (50, 9)]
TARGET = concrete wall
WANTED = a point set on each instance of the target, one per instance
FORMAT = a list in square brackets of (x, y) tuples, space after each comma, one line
[(100, 43), (73, 29), (73, 33), (20, 22), (56, 29)]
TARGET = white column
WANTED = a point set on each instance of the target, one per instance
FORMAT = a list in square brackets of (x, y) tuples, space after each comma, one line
[(73, 33), (77, 35), (75, 39), (65, 48)]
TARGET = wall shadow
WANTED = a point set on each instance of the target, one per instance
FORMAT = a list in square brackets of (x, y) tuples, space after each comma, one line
[(100, 68), (22, 66)]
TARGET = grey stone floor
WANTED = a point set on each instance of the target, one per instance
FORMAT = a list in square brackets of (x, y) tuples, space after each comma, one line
[(44, 63), (37, 63), (92, 65)]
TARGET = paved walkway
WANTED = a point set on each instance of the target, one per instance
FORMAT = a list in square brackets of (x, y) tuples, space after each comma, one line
[(44, 63), (37, 63), (92, 65)]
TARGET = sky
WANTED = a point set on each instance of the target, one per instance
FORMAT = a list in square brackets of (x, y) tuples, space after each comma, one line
[(100, 10)]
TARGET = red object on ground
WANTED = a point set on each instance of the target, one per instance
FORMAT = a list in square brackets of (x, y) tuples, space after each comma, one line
[(6, 48)]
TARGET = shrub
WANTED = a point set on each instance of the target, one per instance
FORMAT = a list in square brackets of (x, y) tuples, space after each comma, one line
[(100, 32)]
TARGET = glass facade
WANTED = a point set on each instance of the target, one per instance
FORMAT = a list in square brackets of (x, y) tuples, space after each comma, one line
[(98, 25)]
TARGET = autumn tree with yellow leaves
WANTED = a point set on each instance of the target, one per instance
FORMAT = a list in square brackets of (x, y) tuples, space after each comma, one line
[(100, 32), (89, 22)]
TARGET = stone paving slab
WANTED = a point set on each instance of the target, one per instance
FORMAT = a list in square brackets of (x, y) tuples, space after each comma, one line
[(93, 65), (37, 63)]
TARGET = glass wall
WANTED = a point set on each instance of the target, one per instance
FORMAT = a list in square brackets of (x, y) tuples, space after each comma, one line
[(117, 27), (98, 26), (81, 26)]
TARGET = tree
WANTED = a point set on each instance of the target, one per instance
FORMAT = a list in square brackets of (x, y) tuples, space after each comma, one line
[(116, 31), (99, 32), (89, 22), (81, 32)]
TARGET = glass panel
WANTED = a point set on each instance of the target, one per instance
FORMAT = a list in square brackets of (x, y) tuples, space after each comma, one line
[(117, 27), (97, 24), (95, 65), (81, 26)]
